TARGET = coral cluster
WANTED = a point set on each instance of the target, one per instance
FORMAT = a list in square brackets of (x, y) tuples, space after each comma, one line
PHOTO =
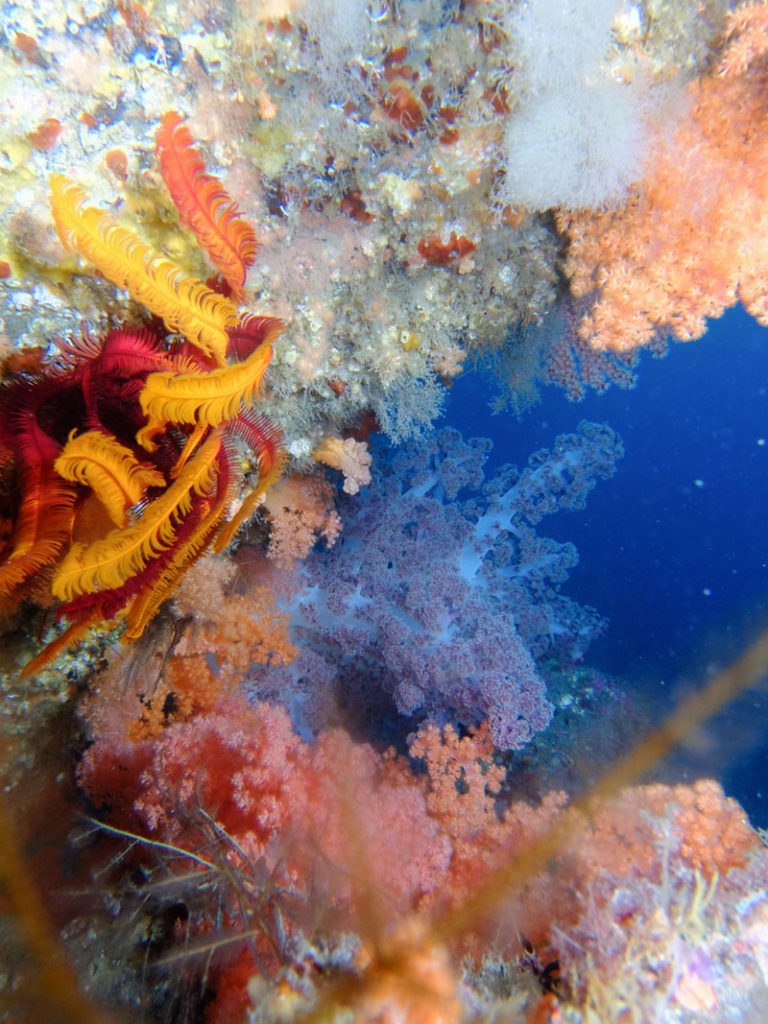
[(321, 787), (441, 594), (387, 169), (397, 161), (640, 905)]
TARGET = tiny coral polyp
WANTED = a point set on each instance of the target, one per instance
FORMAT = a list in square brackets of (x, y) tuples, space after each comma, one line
[(138, 425)]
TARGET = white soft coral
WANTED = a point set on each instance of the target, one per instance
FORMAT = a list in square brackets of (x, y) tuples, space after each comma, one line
[(576, 138), (340, 27)]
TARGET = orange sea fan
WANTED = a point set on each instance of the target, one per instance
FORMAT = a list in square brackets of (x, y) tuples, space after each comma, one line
[(184, 303), (111, 470), (203, 203)]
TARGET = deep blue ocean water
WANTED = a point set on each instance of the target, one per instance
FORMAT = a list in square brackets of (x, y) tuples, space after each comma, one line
[(674, 549)]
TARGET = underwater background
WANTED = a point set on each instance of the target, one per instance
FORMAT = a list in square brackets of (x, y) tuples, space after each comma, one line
[(672, 549), (382, 511)]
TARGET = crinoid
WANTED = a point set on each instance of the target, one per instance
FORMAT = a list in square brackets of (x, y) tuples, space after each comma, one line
[(125, 453)]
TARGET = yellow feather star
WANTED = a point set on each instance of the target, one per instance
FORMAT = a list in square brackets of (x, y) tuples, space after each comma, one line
[(186, 304), (149, 600), (111, 470), (204, 398), (108, 563)]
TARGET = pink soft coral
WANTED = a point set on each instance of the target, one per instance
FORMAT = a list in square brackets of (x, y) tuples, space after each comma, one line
[(301, 510), (315, 815), (337, 836)]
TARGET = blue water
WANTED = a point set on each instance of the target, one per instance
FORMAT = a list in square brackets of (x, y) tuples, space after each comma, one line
[(674, 549)]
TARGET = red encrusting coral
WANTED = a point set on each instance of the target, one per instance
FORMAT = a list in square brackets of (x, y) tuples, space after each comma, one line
[(442, 254), (402, 106), (46, 135)]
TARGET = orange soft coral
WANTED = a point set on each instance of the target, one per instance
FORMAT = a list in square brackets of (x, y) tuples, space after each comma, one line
[(251, 630), (462, 788), (349, 456), (691, 240), (301, 512), (316, 818)]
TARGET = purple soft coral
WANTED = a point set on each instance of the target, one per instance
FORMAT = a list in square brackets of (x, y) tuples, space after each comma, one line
[(444, 603)]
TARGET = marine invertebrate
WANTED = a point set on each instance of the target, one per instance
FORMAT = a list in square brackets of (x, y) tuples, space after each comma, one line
[(301, 510), (184, 303), (577, 136), (109, 562), (402, 954), (135, 431), (350, 457), (110, 469), (203, 204), (444, 604), (686, 245), (315, 818), (204, 398), (442, 254), (43, 521), (162, 515)]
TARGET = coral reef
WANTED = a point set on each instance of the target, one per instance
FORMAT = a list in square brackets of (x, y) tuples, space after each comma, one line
[(443, 602), (339, 775)]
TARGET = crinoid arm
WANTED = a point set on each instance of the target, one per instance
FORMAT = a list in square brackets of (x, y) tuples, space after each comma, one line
[(204, 204), (184, 303)]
